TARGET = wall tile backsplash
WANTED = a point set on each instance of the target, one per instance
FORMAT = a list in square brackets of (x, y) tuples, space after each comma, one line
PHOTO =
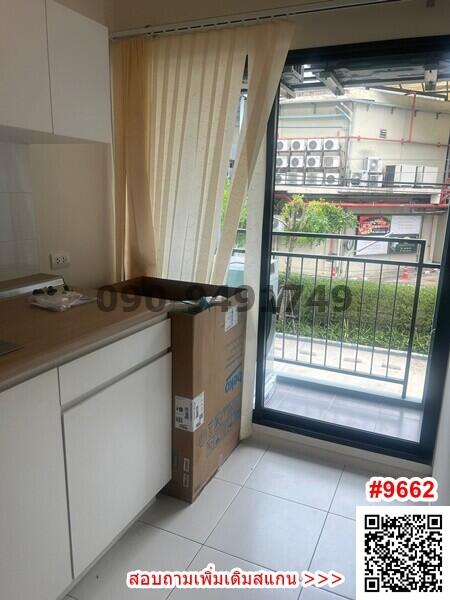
[(18, 236)]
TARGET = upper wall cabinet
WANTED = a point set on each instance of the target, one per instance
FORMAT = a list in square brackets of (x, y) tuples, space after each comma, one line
[(79, 74), (24, 78)]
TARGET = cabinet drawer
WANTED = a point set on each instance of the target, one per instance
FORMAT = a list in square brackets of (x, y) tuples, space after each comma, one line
[(85, 374), (118, 455)]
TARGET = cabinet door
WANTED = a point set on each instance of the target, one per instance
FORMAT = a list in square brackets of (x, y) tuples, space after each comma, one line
[(24, 80), (118, 452), (34, 529), (79, 74)]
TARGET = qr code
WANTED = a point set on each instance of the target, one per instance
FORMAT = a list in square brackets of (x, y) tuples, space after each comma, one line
[(403, 550)]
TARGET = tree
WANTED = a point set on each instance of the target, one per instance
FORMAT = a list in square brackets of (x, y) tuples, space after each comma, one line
[(317, 216)]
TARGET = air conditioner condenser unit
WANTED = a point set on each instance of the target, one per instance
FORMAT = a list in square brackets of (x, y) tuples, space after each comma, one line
[(283, 145), (282, 162), (314, 145), (373, 164), (330, 144), (313, 162), (314, 179), (331, 161), (374, 180), (298, 145), (331, 179), (297, 162), (358, 179), (294, 178)]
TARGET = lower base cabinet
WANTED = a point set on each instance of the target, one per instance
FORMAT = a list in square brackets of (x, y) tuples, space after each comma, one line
[(34, 528), (118, 455)]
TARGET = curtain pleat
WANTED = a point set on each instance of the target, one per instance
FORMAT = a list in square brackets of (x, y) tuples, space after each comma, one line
[(267, 49)]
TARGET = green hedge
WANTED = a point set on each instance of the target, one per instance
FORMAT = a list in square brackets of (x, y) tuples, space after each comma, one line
[(387, 326)]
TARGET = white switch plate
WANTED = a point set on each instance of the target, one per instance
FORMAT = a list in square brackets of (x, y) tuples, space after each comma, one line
[(59, 260)]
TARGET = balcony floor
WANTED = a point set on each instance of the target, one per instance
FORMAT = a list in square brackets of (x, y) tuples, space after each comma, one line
[(341, 408)]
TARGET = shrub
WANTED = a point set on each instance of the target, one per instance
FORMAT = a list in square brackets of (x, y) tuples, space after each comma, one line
[(368, 317)]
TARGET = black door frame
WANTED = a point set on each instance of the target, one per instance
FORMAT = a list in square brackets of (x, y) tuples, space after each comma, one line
[(435, 378)]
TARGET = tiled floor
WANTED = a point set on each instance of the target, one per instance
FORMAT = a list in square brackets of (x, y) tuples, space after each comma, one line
[(402, 423), (266, 507)]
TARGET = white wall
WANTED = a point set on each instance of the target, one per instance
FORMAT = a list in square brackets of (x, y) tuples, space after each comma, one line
[(74, 209), (18, 235)]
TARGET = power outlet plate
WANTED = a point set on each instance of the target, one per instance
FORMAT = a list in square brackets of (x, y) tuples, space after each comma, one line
[(59, 260)]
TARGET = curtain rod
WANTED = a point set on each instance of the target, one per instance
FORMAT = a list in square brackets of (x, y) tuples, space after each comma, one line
[(247, 19)]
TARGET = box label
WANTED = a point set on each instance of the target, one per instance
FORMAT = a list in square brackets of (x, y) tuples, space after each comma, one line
[(189, 412), (231, 318)]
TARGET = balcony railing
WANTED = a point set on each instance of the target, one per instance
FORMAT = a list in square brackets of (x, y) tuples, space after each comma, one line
[(342, 311)]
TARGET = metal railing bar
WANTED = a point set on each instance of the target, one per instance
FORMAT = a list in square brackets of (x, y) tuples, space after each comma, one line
[(314, 313), (337, 370), (284, 297), (360, 314), (376, 318), (299, 309), (329, 313), (348, 236), (374, 261), (343, 317), (392, 322), (413, 321)]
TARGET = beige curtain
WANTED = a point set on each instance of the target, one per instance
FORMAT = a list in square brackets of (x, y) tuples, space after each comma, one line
[(135, 243), (268, 46), (175, 102)]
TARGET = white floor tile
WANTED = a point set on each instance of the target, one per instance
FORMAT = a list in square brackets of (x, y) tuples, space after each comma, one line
[(268, 531), (351, 493), (142, 547), (336, 551), (225, 562), (293, 477), (313, 593), (239, 466), (194, 521)]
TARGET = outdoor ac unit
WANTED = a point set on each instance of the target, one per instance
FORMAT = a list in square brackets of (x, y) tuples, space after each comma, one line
[(313, 178), (279, 177), (314, 145), (294, 178), (358, 178), (282, 162), (331, 162), (283, 145), (314, 162), (331, 144), (297, 162), (331, 179), (373, 164), (374, 180), (298, 145)]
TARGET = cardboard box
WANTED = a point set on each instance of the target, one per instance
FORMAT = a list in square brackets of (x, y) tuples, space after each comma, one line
[(208, 358)]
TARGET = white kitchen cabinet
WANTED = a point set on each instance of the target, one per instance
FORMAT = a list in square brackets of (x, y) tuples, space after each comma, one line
[(118, 456), (24, 74), (79, 74), (81, 376), (34, 529)]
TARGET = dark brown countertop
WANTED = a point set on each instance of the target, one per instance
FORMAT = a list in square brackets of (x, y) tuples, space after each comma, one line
[(49, 339)]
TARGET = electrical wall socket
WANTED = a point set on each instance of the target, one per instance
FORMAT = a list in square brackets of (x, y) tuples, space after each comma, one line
[(59, 260)]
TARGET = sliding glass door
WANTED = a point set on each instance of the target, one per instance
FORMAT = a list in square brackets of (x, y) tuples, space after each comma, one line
[(353, 335)]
